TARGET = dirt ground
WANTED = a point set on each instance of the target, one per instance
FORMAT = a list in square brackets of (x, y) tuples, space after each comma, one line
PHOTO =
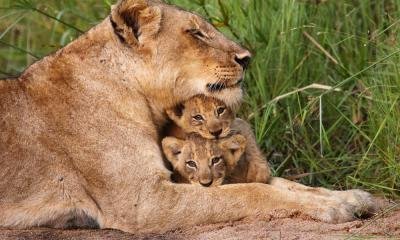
[(385, 225)]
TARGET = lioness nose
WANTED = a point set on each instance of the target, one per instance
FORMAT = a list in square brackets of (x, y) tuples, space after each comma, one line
[(243, 59), (206, 184), (216, 133)]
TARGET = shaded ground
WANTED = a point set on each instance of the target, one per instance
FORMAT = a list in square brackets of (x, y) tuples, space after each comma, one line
[(386, 225)]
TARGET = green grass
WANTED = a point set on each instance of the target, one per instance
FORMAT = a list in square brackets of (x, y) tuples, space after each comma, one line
[(341, 138)]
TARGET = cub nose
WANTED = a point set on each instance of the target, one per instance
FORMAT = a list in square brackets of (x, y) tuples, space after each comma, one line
[(216, 133), (206, 184), (243, 59)]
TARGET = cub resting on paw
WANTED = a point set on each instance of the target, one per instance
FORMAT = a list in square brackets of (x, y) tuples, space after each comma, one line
[(203, 161), (80, 131), (212, 119)]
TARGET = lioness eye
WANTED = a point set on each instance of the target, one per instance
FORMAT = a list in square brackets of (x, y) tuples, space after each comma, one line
[(198, 118), (197, 33), (191, 164), (220, 110), (216, 160)]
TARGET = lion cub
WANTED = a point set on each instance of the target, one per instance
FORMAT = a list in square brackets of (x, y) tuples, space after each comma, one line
[(203, 161), (212, 119)]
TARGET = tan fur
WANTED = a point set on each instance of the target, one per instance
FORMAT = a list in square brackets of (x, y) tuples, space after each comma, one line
[(253, 159), (215, 116), (79, 135), (203, 161), (211, 124)]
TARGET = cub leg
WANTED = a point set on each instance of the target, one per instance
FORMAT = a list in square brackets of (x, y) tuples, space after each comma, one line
[(258, 168)]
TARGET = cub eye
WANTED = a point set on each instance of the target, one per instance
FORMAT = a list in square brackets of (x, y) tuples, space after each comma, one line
[(220, 110), (191, 164), (216, 160), (198, 118)]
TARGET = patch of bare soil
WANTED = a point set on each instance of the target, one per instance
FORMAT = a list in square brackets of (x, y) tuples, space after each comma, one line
[(385, 225)]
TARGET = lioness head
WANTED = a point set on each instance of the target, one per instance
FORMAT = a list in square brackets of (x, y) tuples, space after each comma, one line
[(182, 52), (202, 161), (203, 115)]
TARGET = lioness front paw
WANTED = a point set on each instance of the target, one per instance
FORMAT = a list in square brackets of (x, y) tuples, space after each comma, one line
[(362, 202), (333, 212), (344, 206)]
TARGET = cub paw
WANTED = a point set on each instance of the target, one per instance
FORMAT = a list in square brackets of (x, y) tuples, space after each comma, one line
[(260, 173)]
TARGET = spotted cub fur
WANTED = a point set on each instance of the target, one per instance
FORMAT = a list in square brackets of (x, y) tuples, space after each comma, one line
[(208, 162), (212, 119)]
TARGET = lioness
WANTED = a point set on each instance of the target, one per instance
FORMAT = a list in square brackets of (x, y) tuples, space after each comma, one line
[(79, 135), (211, 118), (202, 161)]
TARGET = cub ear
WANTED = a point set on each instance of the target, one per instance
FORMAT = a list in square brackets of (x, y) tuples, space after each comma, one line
[(135, 21), (176, 113), (172, 147), (234, 145)]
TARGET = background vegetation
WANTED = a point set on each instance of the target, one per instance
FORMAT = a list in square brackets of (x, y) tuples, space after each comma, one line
[(323, 87)]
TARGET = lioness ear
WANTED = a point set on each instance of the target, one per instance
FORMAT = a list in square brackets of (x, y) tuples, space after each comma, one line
[(172, 147), (135, 21), (234, 145)]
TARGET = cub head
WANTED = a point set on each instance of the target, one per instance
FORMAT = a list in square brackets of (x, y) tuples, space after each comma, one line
[(179, 52), (202, 161), (203, 115)]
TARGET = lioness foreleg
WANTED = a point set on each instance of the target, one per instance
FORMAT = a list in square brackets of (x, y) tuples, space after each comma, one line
[(359, 200), (182, 205)]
